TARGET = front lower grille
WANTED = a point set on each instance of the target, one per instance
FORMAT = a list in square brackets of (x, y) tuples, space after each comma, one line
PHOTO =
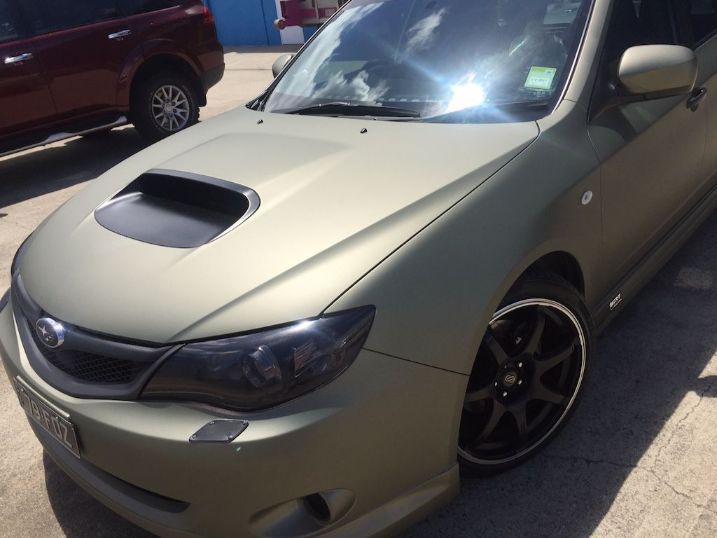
[(90, 367)]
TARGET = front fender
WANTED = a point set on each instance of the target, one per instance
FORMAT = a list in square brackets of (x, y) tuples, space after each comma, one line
[(435, 296)]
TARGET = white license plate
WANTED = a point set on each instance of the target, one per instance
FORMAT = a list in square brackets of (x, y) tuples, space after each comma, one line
[(49, 420)]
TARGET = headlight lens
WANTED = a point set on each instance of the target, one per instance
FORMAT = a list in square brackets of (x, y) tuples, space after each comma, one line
[(263, 369)]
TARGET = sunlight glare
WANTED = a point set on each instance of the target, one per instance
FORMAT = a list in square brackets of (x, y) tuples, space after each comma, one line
[(466, 95)]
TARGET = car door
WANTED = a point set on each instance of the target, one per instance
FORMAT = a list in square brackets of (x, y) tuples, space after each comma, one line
[(24, 96), (698, 20), (83, 46), (162, 20), (652, 152)]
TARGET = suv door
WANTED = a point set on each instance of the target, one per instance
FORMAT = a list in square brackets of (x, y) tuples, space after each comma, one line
[(652, 152), (84, 46), (24, 97), (159, 19)]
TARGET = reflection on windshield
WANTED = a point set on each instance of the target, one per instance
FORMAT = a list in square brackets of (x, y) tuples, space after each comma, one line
[(422, 34), (436, 57)]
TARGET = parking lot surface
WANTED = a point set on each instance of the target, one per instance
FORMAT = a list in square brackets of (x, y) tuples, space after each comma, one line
[(639, 457)]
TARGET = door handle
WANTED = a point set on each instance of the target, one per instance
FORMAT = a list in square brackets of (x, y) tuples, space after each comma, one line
[(12, 60), (698, 95), (120, 34)]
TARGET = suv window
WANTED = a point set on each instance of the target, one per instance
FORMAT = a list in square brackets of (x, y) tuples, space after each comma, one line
[(703, 15), (135, 7), (8, 22), (51, 15)]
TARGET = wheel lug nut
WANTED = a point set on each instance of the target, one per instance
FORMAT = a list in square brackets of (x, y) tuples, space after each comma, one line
[(520, 382), (496, 383), (520, 365), (505, 394)]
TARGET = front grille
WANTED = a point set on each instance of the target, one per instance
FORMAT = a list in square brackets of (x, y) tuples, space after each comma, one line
[(89, 367), (86, 364)]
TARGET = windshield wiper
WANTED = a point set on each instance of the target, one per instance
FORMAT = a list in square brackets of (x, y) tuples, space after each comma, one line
[(341, 108)]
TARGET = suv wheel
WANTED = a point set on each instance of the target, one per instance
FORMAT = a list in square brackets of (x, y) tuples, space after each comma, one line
[(163, 105), (527, 377)]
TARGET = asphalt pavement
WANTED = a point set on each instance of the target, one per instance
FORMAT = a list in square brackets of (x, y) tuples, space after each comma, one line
[(639, 457)]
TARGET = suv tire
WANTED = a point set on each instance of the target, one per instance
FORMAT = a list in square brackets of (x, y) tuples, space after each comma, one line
[(163, 105)]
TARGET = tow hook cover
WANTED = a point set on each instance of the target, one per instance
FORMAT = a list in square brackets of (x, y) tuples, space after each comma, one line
[(219, 431)]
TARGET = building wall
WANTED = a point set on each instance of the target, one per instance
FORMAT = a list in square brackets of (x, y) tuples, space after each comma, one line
[(251, 22)]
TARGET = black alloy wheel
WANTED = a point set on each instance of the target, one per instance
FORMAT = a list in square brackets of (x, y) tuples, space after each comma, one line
[(527, 376)]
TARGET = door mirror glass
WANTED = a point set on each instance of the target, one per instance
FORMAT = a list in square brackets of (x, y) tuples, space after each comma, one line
[(280, 64), (657, 71)]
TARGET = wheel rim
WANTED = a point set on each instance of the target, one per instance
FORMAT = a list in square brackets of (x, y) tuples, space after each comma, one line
[(527, 375), (170, 108)]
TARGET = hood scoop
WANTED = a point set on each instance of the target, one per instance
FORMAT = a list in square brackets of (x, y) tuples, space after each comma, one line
[(177, 209)]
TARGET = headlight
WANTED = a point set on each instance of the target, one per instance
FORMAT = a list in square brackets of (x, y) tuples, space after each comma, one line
[(18, 256), (263, 369)]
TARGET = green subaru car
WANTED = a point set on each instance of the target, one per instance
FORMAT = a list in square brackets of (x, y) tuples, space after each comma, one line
[(310, 315)]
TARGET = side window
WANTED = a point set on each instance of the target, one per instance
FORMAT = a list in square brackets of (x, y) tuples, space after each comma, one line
[(46, 16), (136, 7), (8, 23), (703, 17), (633, 23), (639, 22)]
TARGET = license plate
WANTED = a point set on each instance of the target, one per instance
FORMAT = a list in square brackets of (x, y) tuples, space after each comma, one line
[(47, 418)]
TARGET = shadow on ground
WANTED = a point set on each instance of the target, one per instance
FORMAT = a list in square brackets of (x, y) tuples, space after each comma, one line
[(647, 362), (30, 174)]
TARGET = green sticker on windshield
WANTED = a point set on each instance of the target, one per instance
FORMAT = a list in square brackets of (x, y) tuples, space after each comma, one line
[(540, 78)]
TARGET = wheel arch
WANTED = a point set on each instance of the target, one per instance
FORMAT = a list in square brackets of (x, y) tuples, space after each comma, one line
[(165, 62), (562, 264)]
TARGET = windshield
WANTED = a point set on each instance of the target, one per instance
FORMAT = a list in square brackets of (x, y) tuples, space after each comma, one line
[(435, 58)]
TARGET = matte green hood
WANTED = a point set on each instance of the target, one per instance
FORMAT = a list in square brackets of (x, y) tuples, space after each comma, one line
[(335, 202)]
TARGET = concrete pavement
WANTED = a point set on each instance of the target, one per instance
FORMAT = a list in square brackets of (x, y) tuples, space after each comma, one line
[(639, 458)]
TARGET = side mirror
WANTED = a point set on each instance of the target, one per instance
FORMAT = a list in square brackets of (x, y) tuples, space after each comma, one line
[(280, 64), (656, 71)]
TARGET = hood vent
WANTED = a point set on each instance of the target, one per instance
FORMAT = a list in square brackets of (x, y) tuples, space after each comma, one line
[(177, 209)]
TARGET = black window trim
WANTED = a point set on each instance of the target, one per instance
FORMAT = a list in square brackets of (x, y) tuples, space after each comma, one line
[(704, 40)]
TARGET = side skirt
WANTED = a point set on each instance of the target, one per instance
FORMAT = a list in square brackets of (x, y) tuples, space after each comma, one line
[(58, 137)]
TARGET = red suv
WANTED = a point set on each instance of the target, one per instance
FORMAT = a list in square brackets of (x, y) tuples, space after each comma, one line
[(74, 67)]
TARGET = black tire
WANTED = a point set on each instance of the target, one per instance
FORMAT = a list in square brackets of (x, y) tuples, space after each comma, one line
[(143, 109), (528, 375)]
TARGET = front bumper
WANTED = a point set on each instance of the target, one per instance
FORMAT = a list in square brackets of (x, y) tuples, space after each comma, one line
[(385, 431)]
